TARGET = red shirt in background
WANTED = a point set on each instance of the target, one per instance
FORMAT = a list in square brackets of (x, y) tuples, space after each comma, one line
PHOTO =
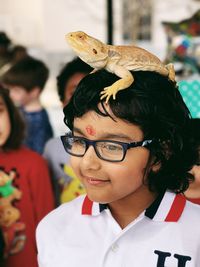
[(33, 180)]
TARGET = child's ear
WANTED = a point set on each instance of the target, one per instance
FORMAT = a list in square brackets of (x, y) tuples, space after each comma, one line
[(156, 166), (166, 151)]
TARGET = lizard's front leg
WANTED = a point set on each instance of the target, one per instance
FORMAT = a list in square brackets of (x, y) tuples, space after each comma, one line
[(123, 83)]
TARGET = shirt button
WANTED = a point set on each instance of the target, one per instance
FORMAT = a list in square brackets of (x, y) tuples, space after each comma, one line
[(114, 247)]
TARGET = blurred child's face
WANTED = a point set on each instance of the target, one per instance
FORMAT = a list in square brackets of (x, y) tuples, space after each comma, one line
[(5, 126), (19, 95), (107, 182), (194, 188), (71, 86)]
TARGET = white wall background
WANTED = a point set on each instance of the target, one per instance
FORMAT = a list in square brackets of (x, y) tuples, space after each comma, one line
[(44, 23), (23, 21)]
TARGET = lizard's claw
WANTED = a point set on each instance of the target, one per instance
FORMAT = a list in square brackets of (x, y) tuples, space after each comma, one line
[(107, 93)]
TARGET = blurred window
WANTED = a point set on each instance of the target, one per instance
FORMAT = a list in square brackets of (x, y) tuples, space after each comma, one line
[(137, 20)]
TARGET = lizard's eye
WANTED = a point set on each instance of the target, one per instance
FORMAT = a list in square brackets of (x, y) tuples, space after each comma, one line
[(94, 50)]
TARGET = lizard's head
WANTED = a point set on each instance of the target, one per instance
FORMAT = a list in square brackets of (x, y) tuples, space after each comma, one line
[(89, 49)]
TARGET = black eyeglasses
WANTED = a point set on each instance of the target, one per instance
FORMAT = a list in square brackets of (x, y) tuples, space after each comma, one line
[(108, 150)]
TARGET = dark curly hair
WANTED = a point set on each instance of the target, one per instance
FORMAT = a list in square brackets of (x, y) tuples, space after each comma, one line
[(154, 104), (28, 73), (17, 132), (195, 136)]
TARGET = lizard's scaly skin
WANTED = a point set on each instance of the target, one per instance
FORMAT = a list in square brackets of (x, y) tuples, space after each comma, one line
[(119, 60)]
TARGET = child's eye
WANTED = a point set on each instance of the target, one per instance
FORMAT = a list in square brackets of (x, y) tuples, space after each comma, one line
[(78, 142), (110, 147)]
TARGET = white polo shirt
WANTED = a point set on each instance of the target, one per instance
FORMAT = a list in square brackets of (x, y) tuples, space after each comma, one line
[(82, 233)]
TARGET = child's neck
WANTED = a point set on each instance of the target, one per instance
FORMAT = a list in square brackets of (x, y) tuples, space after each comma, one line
[(128, 209), (33, 106)]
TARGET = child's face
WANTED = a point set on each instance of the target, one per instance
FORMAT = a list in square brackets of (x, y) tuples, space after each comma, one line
[(18, 95), (106, 182), (5, 126), (71, 86)]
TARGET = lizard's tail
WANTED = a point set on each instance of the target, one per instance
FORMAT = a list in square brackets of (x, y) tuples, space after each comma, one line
[(171, 71)]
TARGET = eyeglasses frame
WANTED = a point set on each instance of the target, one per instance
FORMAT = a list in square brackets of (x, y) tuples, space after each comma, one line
[(125, 146)]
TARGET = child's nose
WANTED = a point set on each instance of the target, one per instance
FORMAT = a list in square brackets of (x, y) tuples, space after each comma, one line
[(90, 160)]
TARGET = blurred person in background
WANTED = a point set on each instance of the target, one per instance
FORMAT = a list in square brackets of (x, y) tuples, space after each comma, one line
[(5, 51), (66, 185), (26, 80), (19, 52), (10, 53), (2, 245), (193, 192), (25, 188)]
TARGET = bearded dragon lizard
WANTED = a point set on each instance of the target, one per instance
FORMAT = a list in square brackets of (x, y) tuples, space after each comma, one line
[(119, 60)]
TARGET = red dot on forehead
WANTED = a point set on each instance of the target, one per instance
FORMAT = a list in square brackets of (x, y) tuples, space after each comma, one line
[(90, 130)]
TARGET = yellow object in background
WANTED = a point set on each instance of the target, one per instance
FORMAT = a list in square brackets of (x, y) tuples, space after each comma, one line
[(73, 189)]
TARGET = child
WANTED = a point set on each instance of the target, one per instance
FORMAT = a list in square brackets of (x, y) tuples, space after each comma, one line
[(26, 80), (54, 152), (25, 189), (5, 53), (133, 157)]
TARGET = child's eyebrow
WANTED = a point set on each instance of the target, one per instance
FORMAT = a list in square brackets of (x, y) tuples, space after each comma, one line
[(117, 135), (107, 135), (77, 130)]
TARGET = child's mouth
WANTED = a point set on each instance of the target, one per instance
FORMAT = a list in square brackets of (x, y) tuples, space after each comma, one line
[(94, 181)]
